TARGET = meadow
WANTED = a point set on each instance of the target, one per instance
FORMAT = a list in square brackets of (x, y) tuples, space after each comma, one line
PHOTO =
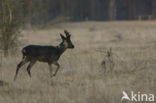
[(81, 77)]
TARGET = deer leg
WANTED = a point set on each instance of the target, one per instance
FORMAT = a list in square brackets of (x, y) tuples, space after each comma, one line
[(19, 66), (58, 66), (50, 69), (30, 66)]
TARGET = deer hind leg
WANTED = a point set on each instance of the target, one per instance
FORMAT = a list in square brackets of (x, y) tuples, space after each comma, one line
[(24, 61), (50, 69), (58, 66), (30, 66)]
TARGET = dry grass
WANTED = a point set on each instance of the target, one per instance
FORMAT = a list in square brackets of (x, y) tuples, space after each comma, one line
[(81, 78)]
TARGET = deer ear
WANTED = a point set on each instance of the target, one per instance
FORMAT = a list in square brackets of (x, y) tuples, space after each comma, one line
[(67, 33), (63, 38)]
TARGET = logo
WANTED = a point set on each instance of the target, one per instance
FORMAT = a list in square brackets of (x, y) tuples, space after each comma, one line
[(137, 96)]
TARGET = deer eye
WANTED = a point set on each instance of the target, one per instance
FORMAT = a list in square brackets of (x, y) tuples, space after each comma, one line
[(68, 40)]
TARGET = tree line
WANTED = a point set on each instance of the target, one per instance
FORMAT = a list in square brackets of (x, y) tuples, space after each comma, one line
[(15, 14)]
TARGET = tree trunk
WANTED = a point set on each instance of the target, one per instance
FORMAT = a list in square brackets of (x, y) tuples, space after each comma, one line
[(92, 9), (111, 9), (153, 8), (131, 9)]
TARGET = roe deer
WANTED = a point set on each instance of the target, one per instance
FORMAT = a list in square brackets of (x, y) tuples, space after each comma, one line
[(48, 54)]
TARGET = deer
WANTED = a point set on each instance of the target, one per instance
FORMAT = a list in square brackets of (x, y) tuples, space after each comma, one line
[(47, 54)]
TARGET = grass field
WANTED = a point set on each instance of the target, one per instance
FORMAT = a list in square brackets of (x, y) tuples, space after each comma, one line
[(81, 78)]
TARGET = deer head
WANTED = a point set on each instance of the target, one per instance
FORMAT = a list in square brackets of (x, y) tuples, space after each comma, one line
[(66, 40)]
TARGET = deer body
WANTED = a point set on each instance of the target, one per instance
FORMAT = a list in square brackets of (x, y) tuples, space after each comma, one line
[(48, 54)]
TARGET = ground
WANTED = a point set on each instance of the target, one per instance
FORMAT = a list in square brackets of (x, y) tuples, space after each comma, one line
[(82, 78)]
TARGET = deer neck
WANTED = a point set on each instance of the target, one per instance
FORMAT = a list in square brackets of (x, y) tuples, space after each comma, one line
[(61, 49)]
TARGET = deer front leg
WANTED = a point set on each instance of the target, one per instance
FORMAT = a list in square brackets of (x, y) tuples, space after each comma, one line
[(50, 69), (58, 66)]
